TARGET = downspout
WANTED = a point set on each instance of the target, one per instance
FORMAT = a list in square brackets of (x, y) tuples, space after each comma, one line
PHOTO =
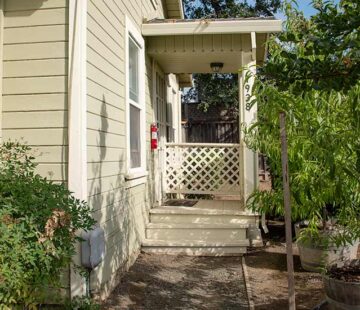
[(77, 92), (263, 216)]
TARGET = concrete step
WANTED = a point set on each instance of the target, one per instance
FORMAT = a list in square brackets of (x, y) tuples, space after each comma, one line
[(197, 232), (202, 210), (178, 215), (195, 248)]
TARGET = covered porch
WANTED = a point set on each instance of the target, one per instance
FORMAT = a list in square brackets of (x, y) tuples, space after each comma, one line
[(224, 174)]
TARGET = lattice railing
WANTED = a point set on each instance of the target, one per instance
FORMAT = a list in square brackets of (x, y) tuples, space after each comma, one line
[(199, 168)]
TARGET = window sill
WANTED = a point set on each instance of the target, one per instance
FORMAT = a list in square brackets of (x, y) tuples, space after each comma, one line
[(135, 178), (136, 175)]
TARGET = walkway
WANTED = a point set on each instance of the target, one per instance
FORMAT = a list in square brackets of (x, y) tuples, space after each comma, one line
[(159, 282)]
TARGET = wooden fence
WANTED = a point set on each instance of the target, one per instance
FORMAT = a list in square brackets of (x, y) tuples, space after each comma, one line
[(225, 131)]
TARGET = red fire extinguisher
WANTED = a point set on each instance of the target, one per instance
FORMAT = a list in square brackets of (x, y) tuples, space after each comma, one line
[(154, 136)]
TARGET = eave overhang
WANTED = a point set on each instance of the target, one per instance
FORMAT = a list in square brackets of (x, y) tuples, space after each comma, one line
[(211, 26), (190, 46)]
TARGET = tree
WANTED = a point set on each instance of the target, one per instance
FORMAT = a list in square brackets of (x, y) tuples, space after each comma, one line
[(230, 8), (222, 88), (322, 52), (316, 84)]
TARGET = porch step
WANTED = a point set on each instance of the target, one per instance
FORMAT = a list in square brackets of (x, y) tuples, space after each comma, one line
[(196, 232), (210, 227), (195, 248), (179, 215)]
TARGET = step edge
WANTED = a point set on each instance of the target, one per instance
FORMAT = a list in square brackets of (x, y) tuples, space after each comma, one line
[(187, 210), (195, 226), (196, 244)]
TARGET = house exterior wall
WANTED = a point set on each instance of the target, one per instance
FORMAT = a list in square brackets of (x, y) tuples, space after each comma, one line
[(35, 109), (120, 205), (34, 101)]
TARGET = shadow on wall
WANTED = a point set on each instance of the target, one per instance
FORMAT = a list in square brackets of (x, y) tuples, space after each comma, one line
[(29, 7), (115, 207)]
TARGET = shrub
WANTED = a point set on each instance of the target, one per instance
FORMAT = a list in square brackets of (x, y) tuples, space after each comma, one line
[(323, 151), (38, 224), (82, 303)]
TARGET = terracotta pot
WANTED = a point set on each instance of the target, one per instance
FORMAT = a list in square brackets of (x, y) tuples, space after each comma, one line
[(342, 295)]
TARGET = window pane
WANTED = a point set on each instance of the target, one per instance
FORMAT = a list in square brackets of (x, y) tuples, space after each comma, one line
[(133, 71), (135, 150)]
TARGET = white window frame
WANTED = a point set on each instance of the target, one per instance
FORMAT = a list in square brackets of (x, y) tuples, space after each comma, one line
[(132, 31), (154, 3)]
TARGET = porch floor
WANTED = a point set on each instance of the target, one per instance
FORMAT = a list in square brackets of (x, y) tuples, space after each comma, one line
[(212, 207)]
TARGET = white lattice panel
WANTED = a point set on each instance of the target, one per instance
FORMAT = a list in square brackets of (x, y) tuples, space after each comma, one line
[(203, 168)]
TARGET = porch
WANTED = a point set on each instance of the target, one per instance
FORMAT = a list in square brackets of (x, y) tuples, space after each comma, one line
[(209, 182), (203, 207)]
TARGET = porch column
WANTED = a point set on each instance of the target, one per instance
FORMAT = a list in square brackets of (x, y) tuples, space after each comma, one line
[(248, 158)]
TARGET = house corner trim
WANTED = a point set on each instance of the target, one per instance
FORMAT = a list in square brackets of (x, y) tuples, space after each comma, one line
[(77, 107), (77, 92)]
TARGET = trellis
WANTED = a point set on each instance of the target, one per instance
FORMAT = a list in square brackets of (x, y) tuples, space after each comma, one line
[(201, 168)]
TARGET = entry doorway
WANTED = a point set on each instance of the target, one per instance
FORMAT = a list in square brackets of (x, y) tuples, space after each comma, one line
[(166, 105)]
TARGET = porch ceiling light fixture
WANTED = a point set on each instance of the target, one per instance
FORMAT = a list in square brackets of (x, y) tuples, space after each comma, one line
[(216, 66)]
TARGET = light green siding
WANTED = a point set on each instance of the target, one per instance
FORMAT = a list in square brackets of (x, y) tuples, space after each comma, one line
[(34, 101), (35, 109), (120, 209)]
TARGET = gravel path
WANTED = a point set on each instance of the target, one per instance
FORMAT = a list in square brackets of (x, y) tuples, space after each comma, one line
[(181, 282)]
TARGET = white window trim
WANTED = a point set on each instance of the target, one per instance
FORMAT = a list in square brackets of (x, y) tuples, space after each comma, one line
[(131, 30), (154, 3), (77, 103)]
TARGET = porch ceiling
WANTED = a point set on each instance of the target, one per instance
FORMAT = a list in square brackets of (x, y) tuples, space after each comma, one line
[(189, 46)]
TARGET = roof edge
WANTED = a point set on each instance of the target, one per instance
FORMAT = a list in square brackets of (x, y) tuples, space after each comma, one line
[(177, 13), (220, 26)]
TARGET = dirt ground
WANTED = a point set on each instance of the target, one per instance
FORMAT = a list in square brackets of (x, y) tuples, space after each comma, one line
[(180, 282), (268, 280), (157, 282), (268, 275)]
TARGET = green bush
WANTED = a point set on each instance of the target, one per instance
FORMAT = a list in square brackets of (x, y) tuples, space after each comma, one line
[(38, 224), (82, 303), (323, 150)]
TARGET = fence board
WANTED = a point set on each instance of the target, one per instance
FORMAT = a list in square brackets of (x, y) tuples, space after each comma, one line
[(211, 131)]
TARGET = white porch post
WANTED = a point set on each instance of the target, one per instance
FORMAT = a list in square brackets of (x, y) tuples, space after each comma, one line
[(249, 159)]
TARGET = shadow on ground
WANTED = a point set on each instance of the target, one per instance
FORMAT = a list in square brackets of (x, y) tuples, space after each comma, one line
[(157, 282), (268, 275)]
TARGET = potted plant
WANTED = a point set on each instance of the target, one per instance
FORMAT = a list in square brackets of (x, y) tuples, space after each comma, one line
[(318, 252), (342, 285)]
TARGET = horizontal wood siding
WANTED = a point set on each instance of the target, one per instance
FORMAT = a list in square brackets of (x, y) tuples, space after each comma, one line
[(121, 210), (35, 80)]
